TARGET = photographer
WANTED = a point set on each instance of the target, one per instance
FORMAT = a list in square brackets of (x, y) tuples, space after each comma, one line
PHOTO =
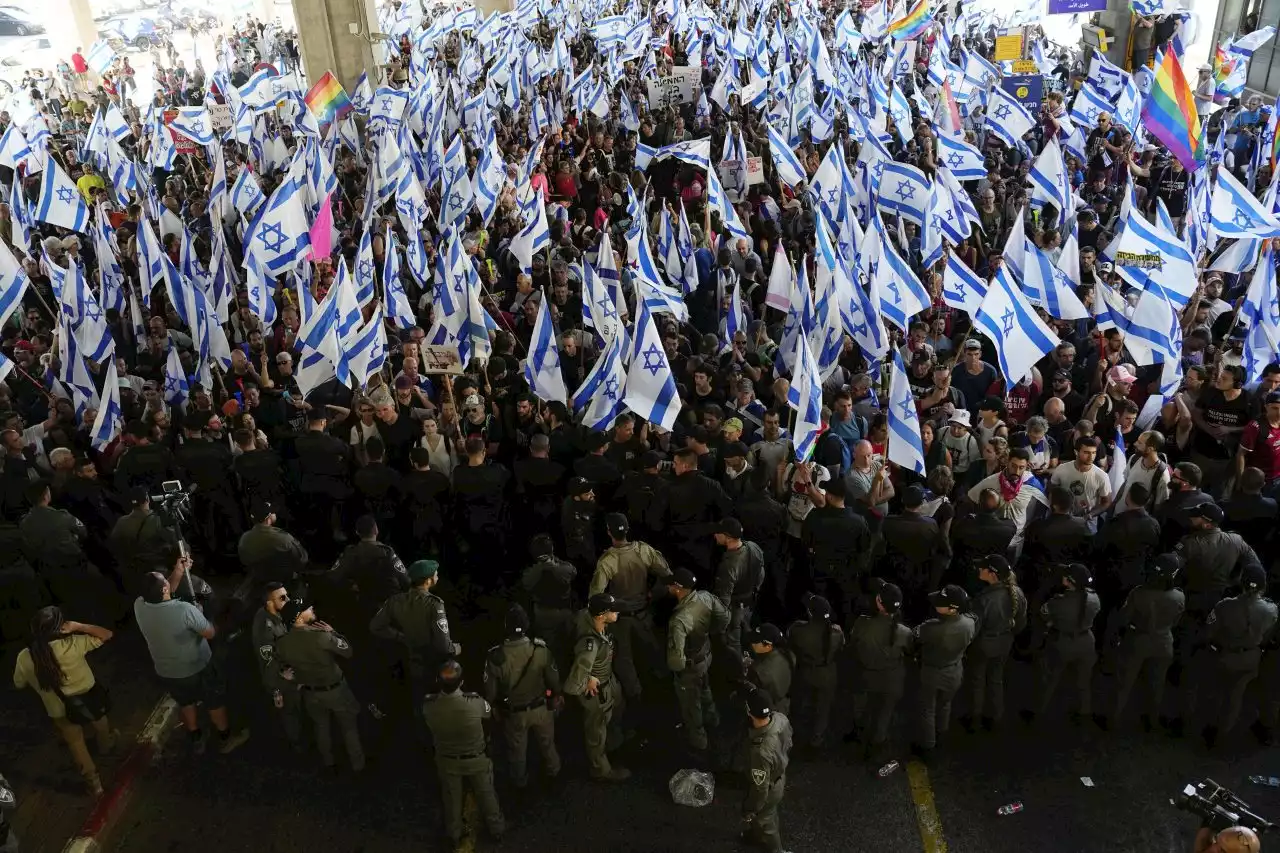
[(140, 542), (1233, 839)]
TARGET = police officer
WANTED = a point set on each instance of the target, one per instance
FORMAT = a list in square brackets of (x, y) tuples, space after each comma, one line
[(269, 553), (1147, 618), (941, 642), (549, 582), (772, 666), (769, 751), (578, 521), (738, 580), (1069, 618), (624, 571), (139, 541), (697, 618), (591, 680), (816, 642), (322, 473), (880, 642), (456, 720), (311, 649), (521, 681), (693, 504), (1237, 629), (268, 626), (1000, 606), (370, 567), (416, 620)]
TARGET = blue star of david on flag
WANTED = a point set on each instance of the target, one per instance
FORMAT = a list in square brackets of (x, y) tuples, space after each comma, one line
[(832, 196), (907, 407), (272, 236), (905, 190), (936, 224), (956, 160), (1007, 320), (611, 388), (65, 194), (1002, 112), (1241, 219), (892, 287), (654, 359), (366, 269)]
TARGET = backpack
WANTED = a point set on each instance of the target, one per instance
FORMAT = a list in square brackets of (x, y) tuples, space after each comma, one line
[(832, 452)]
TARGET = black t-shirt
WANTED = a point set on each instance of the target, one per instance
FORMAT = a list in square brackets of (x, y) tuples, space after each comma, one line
[(1217, 409), (1171, 187)]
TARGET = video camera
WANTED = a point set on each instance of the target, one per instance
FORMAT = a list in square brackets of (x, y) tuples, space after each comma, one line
[(173, 504), (1219, 807)]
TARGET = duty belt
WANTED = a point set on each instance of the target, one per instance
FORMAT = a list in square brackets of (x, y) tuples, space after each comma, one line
[(1235, 650), (324, 689), (540, 701), (464, 757), (1071, 635)]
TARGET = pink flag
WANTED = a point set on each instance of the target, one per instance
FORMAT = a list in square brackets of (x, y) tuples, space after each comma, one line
[(322, 231)]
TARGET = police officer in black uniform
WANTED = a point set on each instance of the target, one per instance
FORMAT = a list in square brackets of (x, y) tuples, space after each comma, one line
[(371, 568), (549, 583), (322, 476), (738, 580), (578, 521)]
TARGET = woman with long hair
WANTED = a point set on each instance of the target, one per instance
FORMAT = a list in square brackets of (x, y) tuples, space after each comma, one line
[(54, 665)]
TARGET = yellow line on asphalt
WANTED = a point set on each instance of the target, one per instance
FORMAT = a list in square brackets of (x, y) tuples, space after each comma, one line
[(471, 828), (931, 837)]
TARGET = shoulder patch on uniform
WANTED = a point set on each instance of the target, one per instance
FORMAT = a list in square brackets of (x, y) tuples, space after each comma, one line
[(538, 642), (340, 643), (266, 652), (591, 644), (758, 776)]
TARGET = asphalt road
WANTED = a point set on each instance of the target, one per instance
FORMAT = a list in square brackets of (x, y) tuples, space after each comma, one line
[(263, 798)]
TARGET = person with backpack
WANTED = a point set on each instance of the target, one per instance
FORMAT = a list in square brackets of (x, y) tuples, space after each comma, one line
[(1149, 467), (1001, 609)]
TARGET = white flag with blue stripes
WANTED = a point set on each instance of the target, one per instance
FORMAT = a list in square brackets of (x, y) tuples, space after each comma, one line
[(106, 426), (964, 160), (599, 400), (902, 296), (1050, 183), (260, 292), (100, 56), (401, 310), (194, 123), (246, 195), (60, 202), (13, 283), (806, 398), (961, 287), (788, 165), (904, 190), (1007, 119), (1234, 212), (650, 388), (177, 387), (542, 367), (1047, 285), (367, 352), (1148, 254), (905, 446), (281, 236), (1020, 336), (1088, 106)]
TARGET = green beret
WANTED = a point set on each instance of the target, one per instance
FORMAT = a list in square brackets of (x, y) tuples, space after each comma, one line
[(423, 569)]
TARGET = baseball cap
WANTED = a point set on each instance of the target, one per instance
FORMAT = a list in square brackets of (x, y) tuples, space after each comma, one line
[(913, 497), (517, 620), (766, 633), (921, 356), (733, 450), (1106, 267), (420, 570), (650, 459), (261, 510), (994, 563), (759, 703), (1121, 375), (292, 609), (680, 576), (1273, 397), (602, 602), (730, 527), (1253, 577), (731, 424), (1062, 374), (617, 525), (403, 382), (973, 343), (1080, 575), (890, 596), (949, 596), (1168, 563), (1208, 510), (579, 486)]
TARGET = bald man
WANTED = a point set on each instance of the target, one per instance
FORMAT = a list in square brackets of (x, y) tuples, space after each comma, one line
[(1233, 839)]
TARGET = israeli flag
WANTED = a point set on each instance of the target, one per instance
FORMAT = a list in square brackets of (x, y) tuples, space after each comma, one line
[(368, 349), (904, 190), (1106, 77), (60, 202), (962, 289), (246, 195), (100, 57), (13, 283), (1261, 315), (1007, 119), (458, 194), (902, 296), (535, 236), (943, 223), (1234, 212), (806, 399), (106, 426), (397, 301), (1050, 183), (195, 124), (1020, 336), (262, 90), (719, 203), (650, 388), (788, 165), (177, 388), (14, 149), (1147, 255), (905, 446), (387, 110), (962, 159), (542, 367), (281, 236), (260, 293), (1088, 105), (1051, 286), (318, 344), (599, 400), (153, 265), (366, 279)]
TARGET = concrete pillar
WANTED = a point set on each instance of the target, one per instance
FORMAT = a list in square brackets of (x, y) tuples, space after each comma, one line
[(484, 7), (68, 25), (1115, 20), (324, 30)]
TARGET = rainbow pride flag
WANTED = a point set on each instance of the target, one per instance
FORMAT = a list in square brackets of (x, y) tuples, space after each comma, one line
[(1170, 111), (916, 21), (327, 100)]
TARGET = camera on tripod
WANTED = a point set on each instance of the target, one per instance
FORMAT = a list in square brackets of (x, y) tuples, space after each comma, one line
[(1219, 807), (173, 504)]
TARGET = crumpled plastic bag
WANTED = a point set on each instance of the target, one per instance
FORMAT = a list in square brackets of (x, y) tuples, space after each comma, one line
[(692, 788)]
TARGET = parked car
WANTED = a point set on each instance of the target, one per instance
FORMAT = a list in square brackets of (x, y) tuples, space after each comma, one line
[(132, 31), (14, 22)]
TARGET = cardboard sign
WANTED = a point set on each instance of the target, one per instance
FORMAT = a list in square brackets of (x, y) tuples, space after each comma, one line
[(220, 116), (439, 359), (180, 142), (674, 89), (734, 174), (1026, 66), (1008, 47)]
